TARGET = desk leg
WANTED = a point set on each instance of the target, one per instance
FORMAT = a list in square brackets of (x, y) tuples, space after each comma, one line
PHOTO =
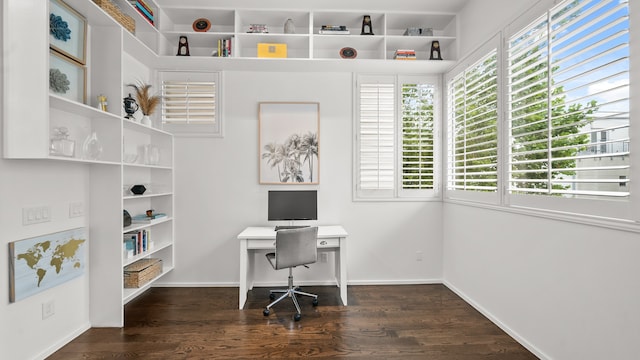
[(244, 268), (341, 270)]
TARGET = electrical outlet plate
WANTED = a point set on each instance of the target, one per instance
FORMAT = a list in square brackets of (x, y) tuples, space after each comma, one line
[(36, 214), (48, 309), (76, 209)]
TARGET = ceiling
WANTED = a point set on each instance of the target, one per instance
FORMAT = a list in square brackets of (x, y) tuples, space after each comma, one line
[(445, 6)]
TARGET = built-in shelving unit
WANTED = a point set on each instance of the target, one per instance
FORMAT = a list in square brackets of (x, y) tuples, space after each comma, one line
[(307, 43), (131, 153)]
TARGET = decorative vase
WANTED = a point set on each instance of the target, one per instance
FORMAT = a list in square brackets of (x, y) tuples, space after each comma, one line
[(289, 27), (146, 120), (92, 148)]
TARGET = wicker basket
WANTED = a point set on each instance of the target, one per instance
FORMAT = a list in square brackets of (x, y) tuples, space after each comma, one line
[(141, 272), (114, 11)]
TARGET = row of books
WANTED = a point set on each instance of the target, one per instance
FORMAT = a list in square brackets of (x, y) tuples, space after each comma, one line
[(144, 9), (405, 55), (223, 48), (137, 242), (334, 30)]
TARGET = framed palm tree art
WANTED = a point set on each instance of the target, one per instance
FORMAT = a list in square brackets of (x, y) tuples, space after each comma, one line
[(289, 142)]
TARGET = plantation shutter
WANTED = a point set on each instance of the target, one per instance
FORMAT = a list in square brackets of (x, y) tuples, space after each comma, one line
[(568, 86), (376, 135), (473, 127), (417, 110), (190, 102)]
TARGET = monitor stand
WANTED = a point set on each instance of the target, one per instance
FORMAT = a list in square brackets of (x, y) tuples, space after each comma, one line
[(290, 226)]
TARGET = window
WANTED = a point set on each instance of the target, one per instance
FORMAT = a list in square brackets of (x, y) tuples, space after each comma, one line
[(472, 136), (568, 102), (396, 137), (190, 103)]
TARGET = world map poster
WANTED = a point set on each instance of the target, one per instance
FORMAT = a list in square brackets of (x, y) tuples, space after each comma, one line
[(43, 262)]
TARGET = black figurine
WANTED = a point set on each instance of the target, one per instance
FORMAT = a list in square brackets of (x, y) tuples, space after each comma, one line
[(367, 28), (435, 51), (183, 46)]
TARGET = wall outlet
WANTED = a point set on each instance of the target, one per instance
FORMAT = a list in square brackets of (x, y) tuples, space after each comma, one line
[(418, 255), (48, 309), (36, 214), (76, 209), (323, 257)]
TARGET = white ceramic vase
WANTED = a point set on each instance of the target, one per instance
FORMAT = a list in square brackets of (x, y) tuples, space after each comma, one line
[(146, 120)]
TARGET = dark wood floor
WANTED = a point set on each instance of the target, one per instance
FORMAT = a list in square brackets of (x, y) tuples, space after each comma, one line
[(381, 322)]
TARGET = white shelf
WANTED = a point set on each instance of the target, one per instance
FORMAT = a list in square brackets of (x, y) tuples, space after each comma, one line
[(138, 226), (146, 254)]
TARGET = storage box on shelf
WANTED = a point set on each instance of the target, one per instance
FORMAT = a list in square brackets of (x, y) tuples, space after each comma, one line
[(116, 13), (141, 272)]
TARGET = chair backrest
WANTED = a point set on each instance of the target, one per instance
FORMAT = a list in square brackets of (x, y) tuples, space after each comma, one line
[(296, 247)]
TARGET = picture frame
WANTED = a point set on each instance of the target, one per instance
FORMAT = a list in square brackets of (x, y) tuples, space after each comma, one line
[(67, 78), (67, 31), (43, 262), (289, 136)]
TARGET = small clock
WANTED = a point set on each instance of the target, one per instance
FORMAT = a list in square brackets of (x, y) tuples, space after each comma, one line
[(201, 25), (348, 53)]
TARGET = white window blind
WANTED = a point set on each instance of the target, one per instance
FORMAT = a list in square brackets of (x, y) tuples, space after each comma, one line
[(472, 136), (568, 102), (417, 136), (190, 103), (396, 137), (376, 135)]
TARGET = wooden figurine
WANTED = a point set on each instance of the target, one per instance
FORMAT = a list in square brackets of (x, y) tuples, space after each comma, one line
[(435, 51), (367, 27), (183, 46)]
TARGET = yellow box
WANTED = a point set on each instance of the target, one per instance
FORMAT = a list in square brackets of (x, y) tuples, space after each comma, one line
[(266, 50)]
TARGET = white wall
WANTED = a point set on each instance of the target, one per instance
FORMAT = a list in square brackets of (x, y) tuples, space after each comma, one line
[(569, 291), (23, 332), (217, 193)]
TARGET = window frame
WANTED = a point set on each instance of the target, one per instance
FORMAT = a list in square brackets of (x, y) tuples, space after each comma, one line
[(397, 193), (494, 198), (610, 208)]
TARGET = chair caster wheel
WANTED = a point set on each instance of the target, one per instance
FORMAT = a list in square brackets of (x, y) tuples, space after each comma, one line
[(266, 312), (315, 302), (272, 296), (297, 317)]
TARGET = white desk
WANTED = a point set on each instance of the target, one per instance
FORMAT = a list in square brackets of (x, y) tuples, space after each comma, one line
[(330, 238)]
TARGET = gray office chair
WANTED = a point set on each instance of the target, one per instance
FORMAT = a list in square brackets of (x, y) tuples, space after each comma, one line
[(294, 247)]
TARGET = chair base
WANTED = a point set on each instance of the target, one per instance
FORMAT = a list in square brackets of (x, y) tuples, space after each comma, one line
[(292, 293)]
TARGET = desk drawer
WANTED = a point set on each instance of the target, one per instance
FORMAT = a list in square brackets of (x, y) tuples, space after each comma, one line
[(271, 244), (328, 243)]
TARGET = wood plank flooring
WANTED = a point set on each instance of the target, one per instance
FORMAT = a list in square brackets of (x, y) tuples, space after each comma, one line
[(381, 322)]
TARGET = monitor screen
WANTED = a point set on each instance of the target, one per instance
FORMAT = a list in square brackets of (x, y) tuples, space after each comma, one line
[(293, 205)]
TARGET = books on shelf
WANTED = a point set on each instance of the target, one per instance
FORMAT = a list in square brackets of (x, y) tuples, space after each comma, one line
[(223, 48), (402, 54), (334, 30), (137, 242), (143, 9)]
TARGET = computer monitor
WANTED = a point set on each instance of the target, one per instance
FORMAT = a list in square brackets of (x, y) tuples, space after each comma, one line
[(293, 205)]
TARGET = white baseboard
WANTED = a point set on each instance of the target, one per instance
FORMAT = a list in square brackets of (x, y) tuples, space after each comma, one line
[(537, 352), (62, 342), (304, 283)]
